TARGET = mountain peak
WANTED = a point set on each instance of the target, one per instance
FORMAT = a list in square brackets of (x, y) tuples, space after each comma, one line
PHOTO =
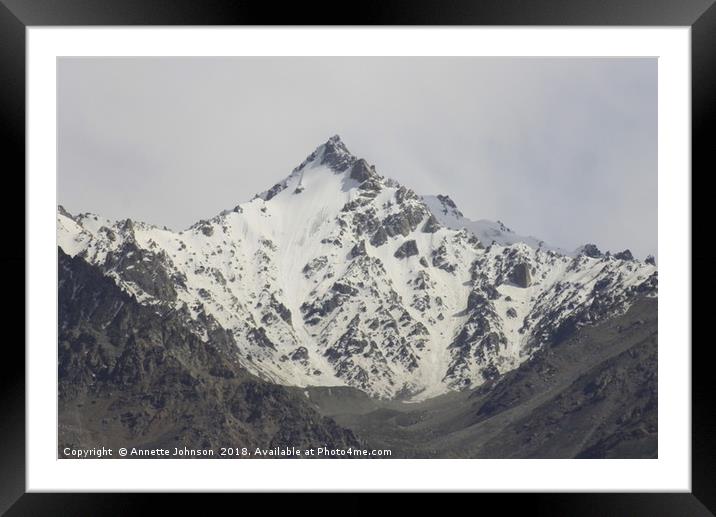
[(332, 154), (336, 155), (336, 139), (61, 210)]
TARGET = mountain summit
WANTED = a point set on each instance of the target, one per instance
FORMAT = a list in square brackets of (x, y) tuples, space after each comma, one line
[(339, 276), (334, 156)]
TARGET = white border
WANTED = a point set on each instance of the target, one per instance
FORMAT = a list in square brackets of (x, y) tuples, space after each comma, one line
[(671, 472)]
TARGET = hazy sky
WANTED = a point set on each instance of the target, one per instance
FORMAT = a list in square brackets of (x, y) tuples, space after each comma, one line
[(563, 149)]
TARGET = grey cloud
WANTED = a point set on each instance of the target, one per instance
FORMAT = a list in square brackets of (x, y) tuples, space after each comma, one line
[(564, 149)]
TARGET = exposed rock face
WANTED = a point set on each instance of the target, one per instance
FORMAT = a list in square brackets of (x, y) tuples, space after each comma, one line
[(271, 193), (336, 155), (475, 300), (145, 269), (521, 275), (441, 259), (61, 210), (346, 289), (300, 354), (380, 237), (314, 266), (591, 250), (358, 250), (407, 249), (449, 204), (624, 255), (405, 221), (478, 344), (431, 225), (650, 260), (259, 338), (361, 171)]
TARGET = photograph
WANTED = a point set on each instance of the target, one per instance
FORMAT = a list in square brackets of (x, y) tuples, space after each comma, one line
[(414, 257), (435, 237)]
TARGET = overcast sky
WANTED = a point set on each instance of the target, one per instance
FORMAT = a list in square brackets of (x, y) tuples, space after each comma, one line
[(563, 149)]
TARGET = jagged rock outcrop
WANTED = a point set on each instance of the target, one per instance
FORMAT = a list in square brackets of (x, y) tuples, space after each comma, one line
[(431, 225), (407, 249), (336, 155), (448, 205), (361, 171), (624, 255), (380, 237), (358, 250), (591, 250), (521, 275)]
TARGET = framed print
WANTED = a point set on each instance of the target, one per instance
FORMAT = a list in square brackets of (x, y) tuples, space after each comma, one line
[(435, 239)]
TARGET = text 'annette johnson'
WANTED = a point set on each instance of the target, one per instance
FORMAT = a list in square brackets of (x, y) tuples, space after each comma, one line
[(223, 452)]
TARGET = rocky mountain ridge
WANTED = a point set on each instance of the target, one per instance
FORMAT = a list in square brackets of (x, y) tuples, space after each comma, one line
[(339, 276)]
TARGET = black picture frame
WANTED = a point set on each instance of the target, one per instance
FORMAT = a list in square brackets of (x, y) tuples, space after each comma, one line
[(16, 15)]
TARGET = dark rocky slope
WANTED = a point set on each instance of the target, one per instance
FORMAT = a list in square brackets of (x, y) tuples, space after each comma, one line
[(135, 376), (590, 395)]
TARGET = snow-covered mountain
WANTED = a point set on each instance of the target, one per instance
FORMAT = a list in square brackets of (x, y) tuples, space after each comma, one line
[(487, 231), (339, 276)]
